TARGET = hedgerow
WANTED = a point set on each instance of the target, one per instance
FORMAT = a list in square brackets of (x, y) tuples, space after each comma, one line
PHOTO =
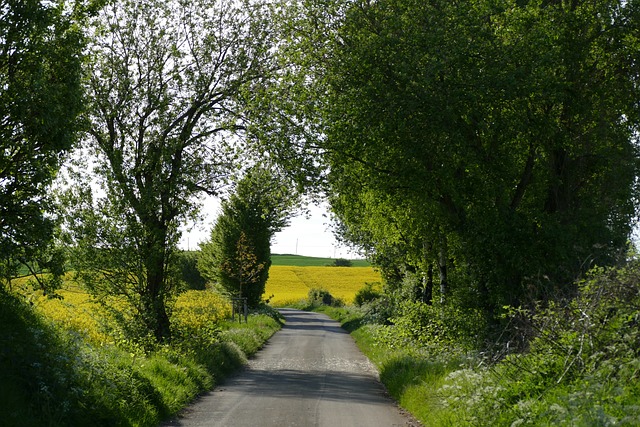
[(56, 373), (581, 366)]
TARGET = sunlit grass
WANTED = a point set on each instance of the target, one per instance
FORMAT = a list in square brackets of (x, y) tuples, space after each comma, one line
[(290, 284), (305, 261), (64, 366)]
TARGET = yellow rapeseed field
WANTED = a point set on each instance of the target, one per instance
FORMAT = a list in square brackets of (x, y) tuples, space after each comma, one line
[(194, 310), (290, 284), (77, 311)]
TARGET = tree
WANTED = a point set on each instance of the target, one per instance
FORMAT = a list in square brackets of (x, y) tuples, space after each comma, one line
[(40, 99), (243, 269), (500, 134), (187, 266), (238, 255), (167, 83)]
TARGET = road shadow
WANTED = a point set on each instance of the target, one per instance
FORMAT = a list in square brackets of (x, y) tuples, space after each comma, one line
[(308, 374), (293, 384), (304, 320)]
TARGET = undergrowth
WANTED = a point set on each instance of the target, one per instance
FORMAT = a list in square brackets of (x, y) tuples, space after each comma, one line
[(581, 368), (53, 376)]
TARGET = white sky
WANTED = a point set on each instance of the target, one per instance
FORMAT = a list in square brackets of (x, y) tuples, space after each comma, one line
[(306, 235)]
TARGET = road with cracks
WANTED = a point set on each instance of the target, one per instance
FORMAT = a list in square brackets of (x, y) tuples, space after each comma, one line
[(310, 373)]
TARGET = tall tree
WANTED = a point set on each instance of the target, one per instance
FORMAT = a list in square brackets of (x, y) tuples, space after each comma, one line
[(238, 255), (167, 83), (504, 132), (40, 99)]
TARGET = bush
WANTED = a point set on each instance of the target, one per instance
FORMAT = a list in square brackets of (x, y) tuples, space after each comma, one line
[(189, 275), (581, 368), (367, 294), (379, 311), (197, 314), (267, 310), (54, 376), (50, 376), (438, 325), (319, 296), (341, 262)]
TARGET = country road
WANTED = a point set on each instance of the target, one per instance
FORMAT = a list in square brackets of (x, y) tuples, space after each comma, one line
[(310, 373)]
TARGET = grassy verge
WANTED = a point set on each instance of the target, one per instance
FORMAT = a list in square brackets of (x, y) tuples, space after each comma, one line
[(51, 376), (582, 367), (299, 260), (411, 375), (306, 261)]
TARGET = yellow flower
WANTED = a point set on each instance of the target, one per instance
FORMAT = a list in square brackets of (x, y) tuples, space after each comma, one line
[(291, 284)]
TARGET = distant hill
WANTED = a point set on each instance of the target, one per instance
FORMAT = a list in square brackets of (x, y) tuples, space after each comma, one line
[(306, 261)]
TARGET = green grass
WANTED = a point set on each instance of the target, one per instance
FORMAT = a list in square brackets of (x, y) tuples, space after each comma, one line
[(582, 368), (305, 261), (53, 377), (412, 377)]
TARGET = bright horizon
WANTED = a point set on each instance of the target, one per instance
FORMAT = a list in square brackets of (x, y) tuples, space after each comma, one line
[(307, 235)]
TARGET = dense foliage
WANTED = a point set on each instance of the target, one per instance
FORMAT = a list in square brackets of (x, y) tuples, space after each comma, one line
[(580, 369), (187, 270), (55, 374), (499, 136), (40, 99), (491, 142), (483, 154), (166, 85), (238, 255)]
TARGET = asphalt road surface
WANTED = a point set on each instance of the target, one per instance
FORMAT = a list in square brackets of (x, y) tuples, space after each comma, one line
[(310, 373)]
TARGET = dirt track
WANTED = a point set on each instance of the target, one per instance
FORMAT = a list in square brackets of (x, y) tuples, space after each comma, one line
[(309, 374)]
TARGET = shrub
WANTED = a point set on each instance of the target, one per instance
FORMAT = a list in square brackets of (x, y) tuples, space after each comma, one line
[(269, 311), (197, 311), (379, 311), (50, 376), (341, 262), (320, 296), (440, 325), (581, 367), (367, 294), (54, 374)]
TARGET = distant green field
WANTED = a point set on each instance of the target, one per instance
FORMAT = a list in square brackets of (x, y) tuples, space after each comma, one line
[(306, 261)]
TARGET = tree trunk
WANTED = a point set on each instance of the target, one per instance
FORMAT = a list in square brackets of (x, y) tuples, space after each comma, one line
[(159, 322), (559, 192), (442, 267), (427, 290), (156, 286)]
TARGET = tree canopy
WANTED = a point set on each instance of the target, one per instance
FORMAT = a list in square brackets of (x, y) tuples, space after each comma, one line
[(168, 84), (501, 136), (238, 255), (40, 99), (495, 142)]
